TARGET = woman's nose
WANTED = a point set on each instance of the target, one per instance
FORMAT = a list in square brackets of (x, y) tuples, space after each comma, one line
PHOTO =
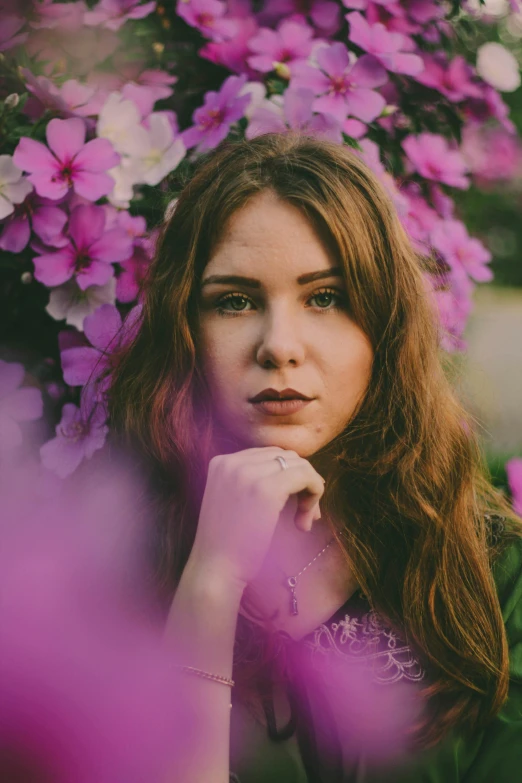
[(280, 342)]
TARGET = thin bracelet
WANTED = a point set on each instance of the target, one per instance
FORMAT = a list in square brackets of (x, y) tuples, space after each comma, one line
[(208, 675)]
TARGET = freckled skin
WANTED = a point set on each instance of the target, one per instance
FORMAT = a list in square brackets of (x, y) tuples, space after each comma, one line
[(281, 335)]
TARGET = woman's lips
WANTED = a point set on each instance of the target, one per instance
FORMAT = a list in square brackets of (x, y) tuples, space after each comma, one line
[(280, 407)]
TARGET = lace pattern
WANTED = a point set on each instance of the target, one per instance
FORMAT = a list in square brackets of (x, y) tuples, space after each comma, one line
[(364, 638)]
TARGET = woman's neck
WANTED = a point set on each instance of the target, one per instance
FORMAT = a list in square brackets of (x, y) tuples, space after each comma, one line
[(320, 590)]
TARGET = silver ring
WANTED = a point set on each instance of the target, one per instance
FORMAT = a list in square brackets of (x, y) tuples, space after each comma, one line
[(282, 461)]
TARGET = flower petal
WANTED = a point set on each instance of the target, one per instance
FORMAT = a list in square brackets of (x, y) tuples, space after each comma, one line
[(48, 223), (49, 187), (16, 234), (11, 376), (102, 327), (86, 225), (66, 137), (92, 186), (97, 273), (10, 434), (97, 155), (31, 155), (80, 364), (114, 245), (24, 405), (54, 268)]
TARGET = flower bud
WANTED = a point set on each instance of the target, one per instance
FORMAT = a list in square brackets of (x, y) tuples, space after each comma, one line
[(12, 101)]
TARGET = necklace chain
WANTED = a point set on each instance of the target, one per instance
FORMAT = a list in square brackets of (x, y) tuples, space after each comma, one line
[(291, 581), (315, 558)]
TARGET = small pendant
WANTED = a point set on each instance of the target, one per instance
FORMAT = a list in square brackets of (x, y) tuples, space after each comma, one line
[(292, 582)]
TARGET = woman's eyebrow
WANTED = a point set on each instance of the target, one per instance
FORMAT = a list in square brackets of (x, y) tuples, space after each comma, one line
[(251, 282)]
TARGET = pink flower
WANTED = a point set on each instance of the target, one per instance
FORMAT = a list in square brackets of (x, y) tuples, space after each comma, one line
[(88, 689), (454, 305), (207, 16), (10, 35), (234, 52), (83, 364), (69, 163), (34, 214), (453, 79), (16, 405), (81, 432), (514, 474), (431, 156), (297, 114), (460, 251), (278, 50), (221, 109), (344, 86), (492, 154), (72, 99), (114, 13), (64, 16), (325, 15), (419, 218), (388, 48), (490, 105), (89, 254)]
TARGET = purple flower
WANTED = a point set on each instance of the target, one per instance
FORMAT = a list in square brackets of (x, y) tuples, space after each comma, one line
[(453, 79), (221, 109), (419, 218), (514, 475), (64, 16), (431, 156), (10, 35), (88, 689), (297, 114), (71, 99), (389, 48), (69, 163), (454, 306), (325, 15), (83, 364), (114, 13), (81, 432), (207, 16), (16, 405), (344, 86), (460, 251), (279, 50), (39, 215), (89, 254)]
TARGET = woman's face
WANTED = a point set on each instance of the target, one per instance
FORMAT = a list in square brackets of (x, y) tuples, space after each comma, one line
[(281, 323)]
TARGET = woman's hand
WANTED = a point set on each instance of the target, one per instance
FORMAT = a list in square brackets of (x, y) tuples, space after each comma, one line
[(244, 497)]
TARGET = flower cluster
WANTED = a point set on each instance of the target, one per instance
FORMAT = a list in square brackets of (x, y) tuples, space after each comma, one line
[(99, 119)]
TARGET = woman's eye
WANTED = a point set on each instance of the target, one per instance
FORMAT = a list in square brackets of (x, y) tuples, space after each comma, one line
[(235, 304), (324, 298), (236, 301)]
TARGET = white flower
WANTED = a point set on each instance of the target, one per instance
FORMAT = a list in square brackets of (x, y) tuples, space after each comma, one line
[(70, 302), (498, 67), (13, 187), (128, 173), (257, 92), (163, 152), (119, 122)]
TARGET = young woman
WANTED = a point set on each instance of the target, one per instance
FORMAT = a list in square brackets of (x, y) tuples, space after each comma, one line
[(316, 478)]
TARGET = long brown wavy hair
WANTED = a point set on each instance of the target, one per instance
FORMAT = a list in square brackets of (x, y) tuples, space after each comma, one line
[(409, 481)]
